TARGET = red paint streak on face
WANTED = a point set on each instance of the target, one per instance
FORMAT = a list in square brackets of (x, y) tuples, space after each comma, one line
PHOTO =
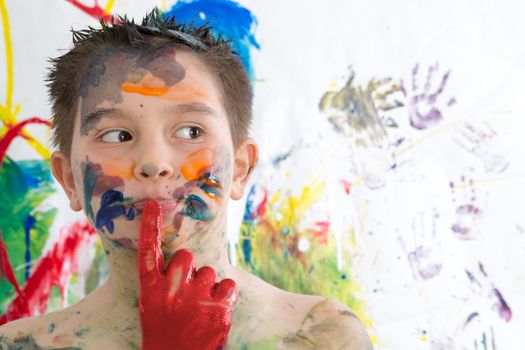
[(179, 306), (14, 131), (54, 269), (197, 164)]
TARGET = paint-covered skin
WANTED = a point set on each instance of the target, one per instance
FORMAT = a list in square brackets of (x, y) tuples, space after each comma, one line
[(180, 306)]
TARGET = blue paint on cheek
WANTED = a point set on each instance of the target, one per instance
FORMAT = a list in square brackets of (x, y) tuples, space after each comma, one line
[(227, 18), (90, 180), (111, 207), (131, 214), (197, 209), (211, 185)]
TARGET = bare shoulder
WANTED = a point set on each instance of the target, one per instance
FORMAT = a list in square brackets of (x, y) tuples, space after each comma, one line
[(26, 333), (329, 325)]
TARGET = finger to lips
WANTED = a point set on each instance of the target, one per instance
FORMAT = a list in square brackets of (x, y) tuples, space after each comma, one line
[(150, 258)]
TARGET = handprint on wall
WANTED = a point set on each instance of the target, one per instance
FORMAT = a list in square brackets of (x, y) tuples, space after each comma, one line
[(468, 213), (355, 111), (479, 139), (426, 102), (423, 251)]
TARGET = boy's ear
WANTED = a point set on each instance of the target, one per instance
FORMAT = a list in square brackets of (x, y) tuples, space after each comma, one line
[(61, 169), (246, 156)]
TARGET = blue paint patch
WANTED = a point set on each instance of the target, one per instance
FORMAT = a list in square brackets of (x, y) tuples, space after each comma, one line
[(90, 180), (210, 184), (111, 207), (247, 250), (196, 208), (35, 172), (29, 222), (249, 214), (131, 214), (227, 18)]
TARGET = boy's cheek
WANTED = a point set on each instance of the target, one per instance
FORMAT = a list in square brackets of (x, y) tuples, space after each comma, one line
[(121, 167)]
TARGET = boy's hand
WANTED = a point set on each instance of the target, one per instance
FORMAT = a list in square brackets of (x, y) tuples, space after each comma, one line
[(180, 308)]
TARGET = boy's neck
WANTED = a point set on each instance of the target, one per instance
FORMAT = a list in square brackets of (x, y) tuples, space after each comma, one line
[(123, 284)]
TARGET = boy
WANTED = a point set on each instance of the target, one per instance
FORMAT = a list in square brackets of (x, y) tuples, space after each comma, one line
[(151, 124)]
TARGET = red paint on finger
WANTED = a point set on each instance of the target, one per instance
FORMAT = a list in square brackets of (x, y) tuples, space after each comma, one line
[(150, 258), (179, 308)]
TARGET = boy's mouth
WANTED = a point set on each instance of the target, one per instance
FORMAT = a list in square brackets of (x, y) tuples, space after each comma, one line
[(167, 204)]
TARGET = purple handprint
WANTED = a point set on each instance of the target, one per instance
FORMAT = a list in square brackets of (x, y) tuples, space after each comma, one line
[(425, 111)]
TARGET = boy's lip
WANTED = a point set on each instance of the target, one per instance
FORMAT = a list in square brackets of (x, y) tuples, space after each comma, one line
[(167, 204)]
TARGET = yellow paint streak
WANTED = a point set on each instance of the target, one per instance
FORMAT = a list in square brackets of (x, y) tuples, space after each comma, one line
[(7, 114), (144, 90), (41, 149), (109, 6)]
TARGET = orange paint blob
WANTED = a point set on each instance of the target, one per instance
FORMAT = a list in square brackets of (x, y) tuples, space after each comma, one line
[(197, 164), (120, 167), (144, 90)]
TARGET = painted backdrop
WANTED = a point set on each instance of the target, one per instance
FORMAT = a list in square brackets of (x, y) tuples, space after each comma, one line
[(391, 174)]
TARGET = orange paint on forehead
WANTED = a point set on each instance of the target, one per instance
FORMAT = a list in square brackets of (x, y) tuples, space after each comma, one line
[(119, 166), (197, 164), (188, 90), (143, 90)]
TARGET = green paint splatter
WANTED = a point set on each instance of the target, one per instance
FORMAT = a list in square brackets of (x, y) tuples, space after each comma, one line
[(268, 247), (24, 186)]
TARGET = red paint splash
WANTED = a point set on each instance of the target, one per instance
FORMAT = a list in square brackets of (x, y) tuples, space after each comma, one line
[(346, 185), (95, 11), (6, 270), (320, 232), (14, 131), (53, 269), (179, 305), (261, 208)]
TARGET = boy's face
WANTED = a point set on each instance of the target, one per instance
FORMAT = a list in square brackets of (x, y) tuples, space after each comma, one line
[(152, 130)]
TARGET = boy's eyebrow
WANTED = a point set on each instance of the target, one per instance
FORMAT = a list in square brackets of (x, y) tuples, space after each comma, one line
[(190, 108), (91, 119)]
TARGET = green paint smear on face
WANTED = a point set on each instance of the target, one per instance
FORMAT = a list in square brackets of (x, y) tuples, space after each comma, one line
[(90, 181), (24, 186), (268, 248)]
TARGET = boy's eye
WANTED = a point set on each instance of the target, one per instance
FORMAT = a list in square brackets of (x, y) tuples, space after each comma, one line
[(189, 132), (115, 136)]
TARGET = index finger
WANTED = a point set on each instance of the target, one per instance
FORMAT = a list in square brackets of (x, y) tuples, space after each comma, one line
[(150, 258)]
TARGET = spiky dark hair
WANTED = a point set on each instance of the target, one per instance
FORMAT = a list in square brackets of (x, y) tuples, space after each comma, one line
[(152, 36)]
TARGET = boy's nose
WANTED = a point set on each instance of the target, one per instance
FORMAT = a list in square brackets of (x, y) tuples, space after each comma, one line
[(153, 171)]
